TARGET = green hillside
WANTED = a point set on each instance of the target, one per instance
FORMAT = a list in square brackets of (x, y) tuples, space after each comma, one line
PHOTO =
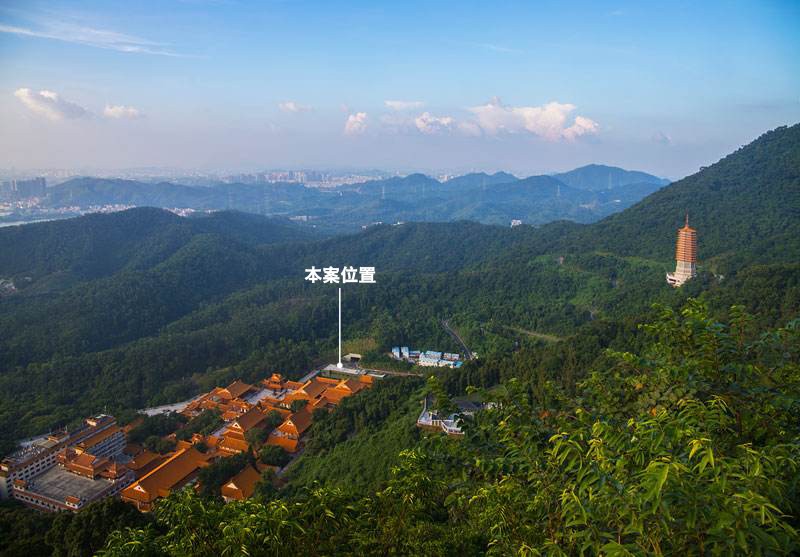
[(746, 208), (115, 320), (99, 245), (105, 291), (600, 177)]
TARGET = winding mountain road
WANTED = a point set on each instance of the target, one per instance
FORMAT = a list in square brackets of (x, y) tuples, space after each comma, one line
[(467, 353)]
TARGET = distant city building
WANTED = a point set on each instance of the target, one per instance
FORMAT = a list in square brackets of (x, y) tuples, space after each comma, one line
[(23, 189), (685, 256)]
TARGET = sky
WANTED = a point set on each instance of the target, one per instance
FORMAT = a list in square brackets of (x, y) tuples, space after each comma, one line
[(526, 87)]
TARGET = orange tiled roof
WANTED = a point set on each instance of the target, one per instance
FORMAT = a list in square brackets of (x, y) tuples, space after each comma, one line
[(208, 404), (237, 389), (230, 415), (297, 423), (270, 401), (233, 445), (285, 443), (321, 402), (170, 474), (250, 419), (335, 395), (142, 459), (313, 388), (85, 460), (242, 485), (268, 409), (113, 471), (352, 385)]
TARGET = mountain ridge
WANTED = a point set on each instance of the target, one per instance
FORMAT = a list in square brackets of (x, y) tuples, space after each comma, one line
[(416, 197)]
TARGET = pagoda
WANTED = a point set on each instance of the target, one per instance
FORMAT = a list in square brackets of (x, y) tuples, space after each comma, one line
[(685, 256)]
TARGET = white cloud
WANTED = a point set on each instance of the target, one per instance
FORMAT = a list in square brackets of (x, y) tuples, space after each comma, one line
[(88, 36), (50, 104), (294, 107), (356, 124), (428, 124), (119, 112), (403, 105), (549, 121), (582, 126)]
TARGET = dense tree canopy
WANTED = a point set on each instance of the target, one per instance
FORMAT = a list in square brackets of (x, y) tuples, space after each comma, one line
[(615, 428), (689, 446)]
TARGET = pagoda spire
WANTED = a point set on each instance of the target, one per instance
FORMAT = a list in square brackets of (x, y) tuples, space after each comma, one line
[(685, 255)]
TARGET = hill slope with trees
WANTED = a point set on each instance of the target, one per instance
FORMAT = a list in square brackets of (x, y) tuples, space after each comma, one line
[(746, 207), (622, 414)]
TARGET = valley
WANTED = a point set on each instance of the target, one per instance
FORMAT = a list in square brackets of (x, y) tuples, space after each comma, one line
[(143, 308)]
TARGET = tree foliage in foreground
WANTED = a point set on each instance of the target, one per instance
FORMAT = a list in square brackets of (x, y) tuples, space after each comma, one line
[(688, 447)]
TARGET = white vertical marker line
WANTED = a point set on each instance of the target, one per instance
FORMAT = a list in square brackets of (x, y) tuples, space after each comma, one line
[(339, 365)]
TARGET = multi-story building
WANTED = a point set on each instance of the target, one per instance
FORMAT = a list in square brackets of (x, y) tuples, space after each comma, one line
[(685, 256), (23, 189), (79, 479), (100, 432), (438, 359), (109, 441)]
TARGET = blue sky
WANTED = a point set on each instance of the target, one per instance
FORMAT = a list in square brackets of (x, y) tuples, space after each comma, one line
[(528, 87)]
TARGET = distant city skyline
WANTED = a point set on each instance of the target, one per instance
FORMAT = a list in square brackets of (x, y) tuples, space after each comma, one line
[(419, 86)]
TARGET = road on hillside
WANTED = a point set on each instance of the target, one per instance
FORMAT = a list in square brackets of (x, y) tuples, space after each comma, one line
[(467, 353), (534, 334)]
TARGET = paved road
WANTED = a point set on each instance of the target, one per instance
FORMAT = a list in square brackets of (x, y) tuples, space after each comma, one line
[(467, 354), (542, 336), (164, 409)]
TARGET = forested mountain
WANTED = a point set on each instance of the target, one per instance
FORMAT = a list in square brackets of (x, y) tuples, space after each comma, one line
[(98, 245), (479, 179), (143, 307), (596, 177), (100, 282), (746, 207), (490, 199)]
